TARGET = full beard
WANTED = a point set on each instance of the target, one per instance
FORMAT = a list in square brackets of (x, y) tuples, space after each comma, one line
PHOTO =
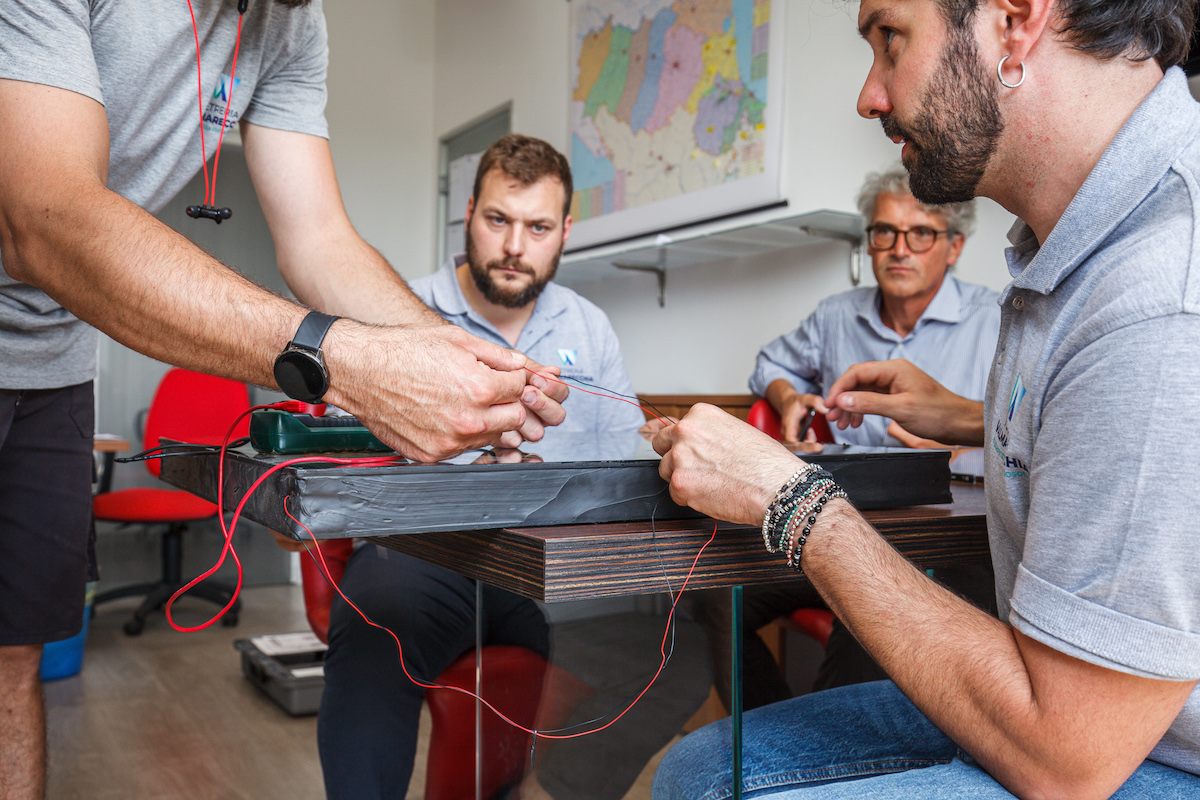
[(955, 136), (493, 292)]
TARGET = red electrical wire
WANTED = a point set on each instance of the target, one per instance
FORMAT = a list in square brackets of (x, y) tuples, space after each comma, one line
[(229, 549), (210, 187), (320, 558)]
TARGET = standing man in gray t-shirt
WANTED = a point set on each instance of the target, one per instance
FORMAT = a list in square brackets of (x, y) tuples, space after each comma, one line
[(102, 121)]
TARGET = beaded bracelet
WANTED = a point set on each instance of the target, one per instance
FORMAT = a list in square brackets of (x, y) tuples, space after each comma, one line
[(805, 485), (774, 509), (796, 546)]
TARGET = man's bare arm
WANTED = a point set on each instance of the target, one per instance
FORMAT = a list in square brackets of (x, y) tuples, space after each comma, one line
[(117, 267), (108, 261), (1044, 724)]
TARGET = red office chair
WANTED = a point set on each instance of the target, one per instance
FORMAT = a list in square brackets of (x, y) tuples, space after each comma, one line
[(194, 408), (766, 419), (513, 678), (814, 622)]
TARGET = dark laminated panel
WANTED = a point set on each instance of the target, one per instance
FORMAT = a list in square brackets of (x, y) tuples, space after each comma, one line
[(578, 479)]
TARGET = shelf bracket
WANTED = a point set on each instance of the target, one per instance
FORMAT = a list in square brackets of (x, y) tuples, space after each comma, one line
[(659, 269), (856, 247)]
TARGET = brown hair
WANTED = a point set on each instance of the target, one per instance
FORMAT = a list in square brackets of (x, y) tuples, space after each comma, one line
[(526, 160)]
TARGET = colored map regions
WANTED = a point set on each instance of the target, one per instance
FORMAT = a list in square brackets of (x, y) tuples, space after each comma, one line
[(668, 98)]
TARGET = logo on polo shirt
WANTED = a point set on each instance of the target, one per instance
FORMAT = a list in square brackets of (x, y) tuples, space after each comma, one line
[(214, 112), (568, 357), (1013, 467)]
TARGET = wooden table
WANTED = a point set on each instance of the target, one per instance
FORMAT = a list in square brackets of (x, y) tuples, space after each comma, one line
[(575, 562)]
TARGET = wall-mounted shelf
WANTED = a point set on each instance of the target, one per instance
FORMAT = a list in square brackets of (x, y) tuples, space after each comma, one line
[(736, 237)]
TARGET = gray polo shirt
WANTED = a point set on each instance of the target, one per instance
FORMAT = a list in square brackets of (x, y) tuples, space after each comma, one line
[(1093, 416), (565, 331), (139, 60)]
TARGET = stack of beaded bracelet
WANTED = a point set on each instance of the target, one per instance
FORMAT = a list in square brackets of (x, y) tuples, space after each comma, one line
[(777, 508), (795, 508), (796, 543)]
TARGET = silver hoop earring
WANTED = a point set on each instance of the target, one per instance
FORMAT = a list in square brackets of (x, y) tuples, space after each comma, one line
[(1000, 74)]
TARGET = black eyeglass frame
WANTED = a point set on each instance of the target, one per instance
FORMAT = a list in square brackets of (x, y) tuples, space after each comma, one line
[(906, 231)]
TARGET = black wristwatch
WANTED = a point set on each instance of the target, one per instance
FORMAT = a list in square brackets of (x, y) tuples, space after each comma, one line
[(300, 368)]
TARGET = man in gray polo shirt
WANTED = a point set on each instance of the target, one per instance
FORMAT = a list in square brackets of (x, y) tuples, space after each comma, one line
[(1072, 116), (502, 291)]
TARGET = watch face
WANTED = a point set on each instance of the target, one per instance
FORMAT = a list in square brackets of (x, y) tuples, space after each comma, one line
[(301, 375)]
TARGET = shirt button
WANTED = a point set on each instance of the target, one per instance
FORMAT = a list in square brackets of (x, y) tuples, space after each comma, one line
[(1019, 302)]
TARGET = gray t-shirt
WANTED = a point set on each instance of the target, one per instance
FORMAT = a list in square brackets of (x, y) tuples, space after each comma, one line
[(1093, 416), (140, 63), (566, 331)]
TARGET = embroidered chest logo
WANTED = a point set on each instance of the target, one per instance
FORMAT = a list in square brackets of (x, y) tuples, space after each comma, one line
[(568, 357), (1013, 467)]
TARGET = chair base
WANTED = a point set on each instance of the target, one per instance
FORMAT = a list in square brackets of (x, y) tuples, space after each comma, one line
[(158, 593)]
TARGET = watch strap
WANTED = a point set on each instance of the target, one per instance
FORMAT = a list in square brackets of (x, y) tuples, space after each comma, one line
[(312, 330)]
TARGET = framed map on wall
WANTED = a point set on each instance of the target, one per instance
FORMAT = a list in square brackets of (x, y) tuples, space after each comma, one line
[(676, 113)]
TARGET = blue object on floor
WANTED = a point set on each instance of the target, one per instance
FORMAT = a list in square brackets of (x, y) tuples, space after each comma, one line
[(64, 658)]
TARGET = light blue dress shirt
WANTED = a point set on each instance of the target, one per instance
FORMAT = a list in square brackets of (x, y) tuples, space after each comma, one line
[(953, 341), (566, 331)]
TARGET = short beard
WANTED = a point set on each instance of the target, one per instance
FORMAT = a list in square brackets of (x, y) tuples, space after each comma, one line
[(493, 292), (958, 130)]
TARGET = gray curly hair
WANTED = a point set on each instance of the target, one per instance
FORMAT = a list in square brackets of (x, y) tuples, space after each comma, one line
[(960, 217)]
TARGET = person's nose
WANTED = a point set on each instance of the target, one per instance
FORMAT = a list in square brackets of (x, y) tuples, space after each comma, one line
[(873, 100), (514, 241)]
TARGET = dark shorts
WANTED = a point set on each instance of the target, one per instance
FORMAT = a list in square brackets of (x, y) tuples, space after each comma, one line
[(45, 512)]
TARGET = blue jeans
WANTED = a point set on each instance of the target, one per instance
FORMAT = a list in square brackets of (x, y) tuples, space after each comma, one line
[(862, 741)]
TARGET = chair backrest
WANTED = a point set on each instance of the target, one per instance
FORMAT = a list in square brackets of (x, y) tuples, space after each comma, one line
[(318, 594), (766, 419), (195, 408)]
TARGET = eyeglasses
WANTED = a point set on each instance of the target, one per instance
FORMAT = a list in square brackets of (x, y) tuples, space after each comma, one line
[(919, 239)]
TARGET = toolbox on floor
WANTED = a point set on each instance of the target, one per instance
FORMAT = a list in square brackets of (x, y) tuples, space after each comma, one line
[(289, 667)]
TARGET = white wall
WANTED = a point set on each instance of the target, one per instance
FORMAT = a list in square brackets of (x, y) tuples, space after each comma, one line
[(381, 67), (716, 316)]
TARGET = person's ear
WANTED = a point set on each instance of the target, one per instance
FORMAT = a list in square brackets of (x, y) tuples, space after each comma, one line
[(1018, 25), (566, 229), (956, 245), (470, 208)]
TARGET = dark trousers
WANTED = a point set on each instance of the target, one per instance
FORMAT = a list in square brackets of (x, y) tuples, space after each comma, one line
[(367, 727)]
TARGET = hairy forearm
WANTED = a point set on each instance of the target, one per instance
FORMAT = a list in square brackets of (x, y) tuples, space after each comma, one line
[(965, 424), (341, 274), (118, 268), (968, 672)]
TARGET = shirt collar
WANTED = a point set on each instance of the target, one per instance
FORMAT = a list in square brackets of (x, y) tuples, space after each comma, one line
[(445, 295), (447, 298), (946, 306), (1131, 166)]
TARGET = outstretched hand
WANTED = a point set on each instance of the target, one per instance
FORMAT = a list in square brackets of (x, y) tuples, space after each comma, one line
[(722, 467), (899, 390), (432, 392)]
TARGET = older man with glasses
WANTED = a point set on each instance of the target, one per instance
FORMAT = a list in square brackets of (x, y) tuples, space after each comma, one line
[(917, 312), (945, 326)]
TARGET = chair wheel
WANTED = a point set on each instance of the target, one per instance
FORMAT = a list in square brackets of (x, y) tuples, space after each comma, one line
[(230, 620), (133, 627)]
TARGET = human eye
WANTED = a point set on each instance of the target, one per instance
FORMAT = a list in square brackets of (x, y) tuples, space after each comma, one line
[(922, 235), (889, 35), (496, 220), (539, 227)]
